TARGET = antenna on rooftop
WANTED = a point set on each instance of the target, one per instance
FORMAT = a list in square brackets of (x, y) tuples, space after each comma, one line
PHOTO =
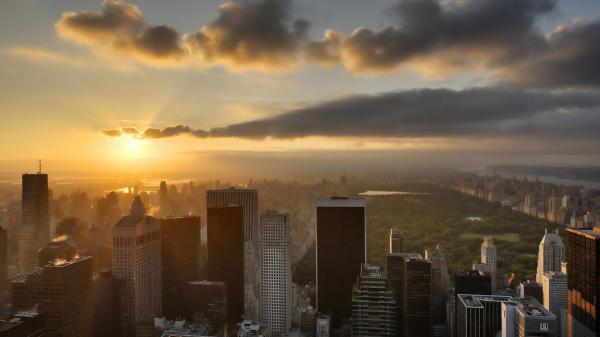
[(40, 166)]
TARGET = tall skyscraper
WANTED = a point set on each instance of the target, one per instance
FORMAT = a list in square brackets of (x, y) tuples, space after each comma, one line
[(109, 313), (469, 282), (488, 261), (62, 292), (276, 273), (180, 250), (583, 273), (373, 304), (34, 233), (439, 283), (555, 297), (225, 241), (248, 200), (137, 260), (206, 301), (551, 253), (341, 250), (418, 306), (396, 241)]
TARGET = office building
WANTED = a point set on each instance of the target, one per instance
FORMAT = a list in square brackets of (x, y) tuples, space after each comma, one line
[(340, 251), (225, 241), (34, 232), (396, 274), (252, 329), (583, 268), (248, 200), (323, 326), (551, 253), (418, 305), (206, 303), (373, 304), (58, 248), (137, 260), (479, 315), (396, 242), (28, 323), (488, 261), (109, 306), (276, 273), (530, 288), (62, 292), (473, 282), (439, 283), (555, 297), (527, 317), (180, 251)]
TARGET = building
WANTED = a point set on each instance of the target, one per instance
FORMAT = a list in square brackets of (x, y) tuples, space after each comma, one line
[(555, 297), (323, 326), (469, 282), (523, 318), (340, 252), (62, 292), (396, 241), (206, 303), (373, 304), (177, 328), (276, 273), (551, 253), (225, 241), (34, 232), (583, 266), (417, 291), (488, 261), (58, 248), (3, 260), (479, 315), (248, 200), (439, 283), (137, 260), (23, 324), (180, 251), (109, 306), (396, 274), (308, 321), (530, 288), (251, 329)]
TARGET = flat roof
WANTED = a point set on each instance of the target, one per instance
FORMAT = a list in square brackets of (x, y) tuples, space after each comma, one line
[(341, 202)]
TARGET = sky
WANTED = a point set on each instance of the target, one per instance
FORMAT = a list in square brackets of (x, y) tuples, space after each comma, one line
[(264, 86)]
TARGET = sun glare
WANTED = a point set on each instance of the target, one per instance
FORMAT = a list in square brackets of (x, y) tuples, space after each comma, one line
[(133, 145)]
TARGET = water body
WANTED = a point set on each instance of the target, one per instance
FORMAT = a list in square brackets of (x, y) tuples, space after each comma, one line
[(544, 179), (381, 193)]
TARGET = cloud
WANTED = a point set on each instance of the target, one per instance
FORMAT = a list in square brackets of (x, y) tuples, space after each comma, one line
[(489, 31), (426, 113), (249, 34), (154, 133), (119, 30), (111, 132)]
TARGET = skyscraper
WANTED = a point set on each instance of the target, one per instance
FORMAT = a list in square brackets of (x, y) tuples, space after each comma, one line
[(488, 260), (479, 315), (225, 241), (439, 283), (373, 304), (109, 313), (469, 282), (276, 273), (248, 200), (418, 306), (34, 233), (137, 260), (206, 301), (62, 291), (583, 268), (555, 296), (58, 248), (180, 250), (551, 253), (340, 252), (396, 241)]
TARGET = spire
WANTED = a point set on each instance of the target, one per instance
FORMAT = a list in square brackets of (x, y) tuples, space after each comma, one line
[(137, 207)]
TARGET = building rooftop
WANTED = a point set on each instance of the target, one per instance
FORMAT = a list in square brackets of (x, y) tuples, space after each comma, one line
[(474, 301), (341, 202), (592, 233)]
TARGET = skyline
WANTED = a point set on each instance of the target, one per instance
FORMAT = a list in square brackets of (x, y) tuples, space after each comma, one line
[(207, 85)]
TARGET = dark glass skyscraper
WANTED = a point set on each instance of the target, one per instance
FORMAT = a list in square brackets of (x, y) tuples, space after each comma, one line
[(34, 233), (583, 281), (180, 252), (109, 311), (225, 241), (341, 250)]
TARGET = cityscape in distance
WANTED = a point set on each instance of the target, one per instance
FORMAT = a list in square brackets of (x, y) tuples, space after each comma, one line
[(300, 168)]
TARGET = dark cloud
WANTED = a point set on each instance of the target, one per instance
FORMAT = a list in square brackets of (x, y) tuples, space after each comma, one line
[(169, 131), (111, 132), (250, 34), (130, 131), (119, 28)]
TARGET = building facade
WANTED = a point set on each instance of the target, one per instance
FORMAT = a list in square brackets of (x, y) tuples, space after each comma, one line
[(551, 253), (34, 232), (555, 291)]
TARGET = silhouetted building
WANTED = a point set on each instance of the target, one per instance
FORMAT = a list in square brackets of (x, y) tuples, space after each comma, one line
[(180, 251), (3, 259), (137, 260), (206, 303), (62, 291), (248, 200), (470, 282), (340, 251), (34, 233), (28, 323), (56, 249), (417, 308), (439, 283), (225, 241), (109, 313), (373, 304), (583, 273), (276, 273)]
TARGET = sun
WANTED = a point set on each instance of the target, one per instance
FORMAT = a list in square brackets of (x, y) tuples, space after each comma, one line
[(133, 145)]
